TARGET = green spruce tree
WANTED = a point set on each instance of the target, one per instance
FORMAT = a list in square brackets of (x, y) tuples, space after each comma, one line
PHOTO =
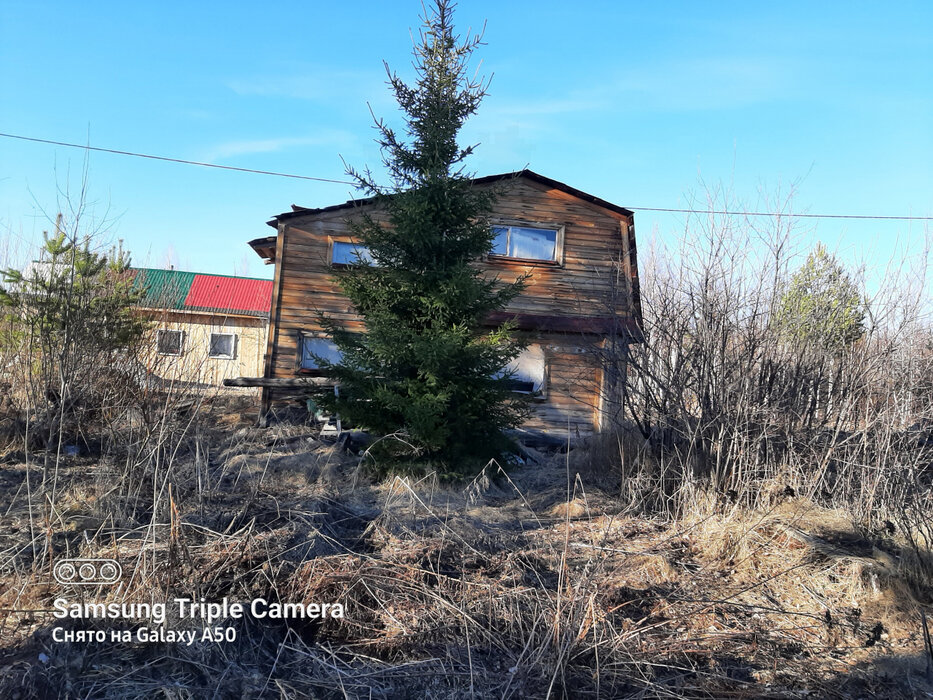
[(425, 372), (71, 320), (821, 306)]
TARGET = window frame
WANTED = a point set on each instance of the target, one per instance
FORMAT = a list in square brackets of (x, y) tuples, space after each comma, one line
[(299, 358), (233, 349), (541, 394), (332, 244), (559, 228), (181, 342)]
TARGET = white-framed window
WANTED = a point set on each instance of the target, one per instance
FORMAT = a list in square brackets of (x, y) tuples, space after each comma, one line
[(170, 342), (222, 346), (529, 371), (348, 253), (313, 346), (528, 242)]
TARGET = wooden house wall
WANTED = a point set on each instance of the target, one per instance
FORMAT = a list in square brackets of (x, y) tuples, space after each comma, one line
[(584, 286), (571, 396)]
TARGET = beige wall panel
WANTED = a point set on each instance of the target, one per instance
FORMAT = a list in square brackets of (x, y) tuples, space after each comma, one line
[(194, 364)]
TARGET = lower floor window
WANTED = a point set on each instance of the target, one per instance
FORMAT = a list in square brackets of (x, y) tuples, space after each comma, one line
[(222, 346), (528, 371), (169, 342), (312, 347)]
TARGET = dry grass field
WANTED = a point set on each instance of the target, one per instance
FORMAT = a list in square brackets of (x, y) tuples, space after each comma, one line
[(529, 582)]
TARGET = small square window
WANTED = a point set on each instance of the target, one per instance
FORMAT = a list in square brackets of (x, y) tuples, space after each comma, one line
[(526, 242), (346, 253), (529, 371), (313, 347), (222, 346), (169, 342)]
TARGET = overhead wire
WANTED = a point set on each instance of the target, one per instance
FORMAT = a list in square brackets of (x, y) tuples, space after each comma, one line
[(173, 160), (788, 214), (726, 212)]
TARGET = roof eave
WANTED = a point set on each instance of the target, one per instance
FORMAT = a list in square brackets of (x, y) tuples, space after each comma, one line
[(264, 247), (298, 211)]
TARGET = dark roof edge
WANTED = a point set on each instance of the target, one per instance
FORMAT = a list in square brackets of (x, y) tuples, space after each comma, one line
[(558, 185), (530, 174), (205, 311)]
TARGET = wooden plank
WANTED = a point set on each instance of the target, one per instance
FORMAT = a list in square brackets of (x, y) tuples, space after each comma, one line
[(566, 324), (272, 335), (272, 382)]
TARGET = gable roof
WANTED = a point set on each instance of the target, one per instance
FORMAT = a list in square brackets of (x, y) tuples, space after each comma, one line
[(194, 291), (528, 174)]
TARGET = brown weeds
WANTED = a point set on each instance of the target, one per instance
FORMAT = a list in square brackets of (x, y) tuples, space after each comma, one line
[(518, 588)]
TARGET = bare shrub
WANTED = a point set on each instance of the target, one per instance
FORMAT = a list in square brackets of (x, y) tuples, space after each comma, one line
[(82, 387), (723, 406)]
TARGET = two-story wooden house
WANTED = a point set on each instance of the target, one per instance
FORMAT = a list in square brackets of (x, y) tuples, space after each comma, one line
[(580, 300)]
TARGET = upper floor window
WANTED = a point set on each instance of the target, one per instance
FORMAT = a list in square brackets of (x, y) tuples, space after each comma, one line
[(527, 242), (347, 253), (169, 342), (222, 346)]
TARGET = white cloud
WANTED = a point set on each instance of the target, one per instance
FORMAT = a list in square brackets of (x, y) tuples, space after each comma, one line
[(665, 86), (317, 83), (559, 105), (703, 84), (230, 149)]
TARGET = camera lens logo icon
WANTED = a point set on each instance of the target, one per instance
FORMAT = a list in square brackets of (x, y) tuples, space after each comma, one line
[(87, 572)]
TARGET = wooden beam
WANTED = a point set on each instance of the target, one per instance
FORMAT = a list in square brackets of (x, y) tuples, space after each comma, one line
[(265, 248), (599, 325), (278, 383)]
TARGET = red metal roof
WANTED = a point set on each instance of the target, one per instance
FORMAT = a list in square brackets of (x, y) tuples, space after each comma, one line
[(230, 293), (192, 291)]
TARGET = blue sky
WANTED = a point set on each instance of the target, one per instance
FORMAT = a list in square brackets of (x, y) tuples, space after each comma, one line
[(632, 102)]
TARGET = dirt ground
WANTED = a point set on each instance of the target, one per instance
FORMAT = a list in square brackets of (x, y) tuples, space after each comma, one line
[(527, 582)]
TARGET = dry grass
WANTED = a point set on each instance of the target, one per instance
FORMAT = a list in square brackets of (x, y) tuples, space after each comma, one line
[(508, 587)]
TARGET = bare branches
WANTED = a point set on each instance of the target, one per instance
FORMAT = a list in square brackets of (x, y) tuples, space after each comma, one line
[(724, 401)]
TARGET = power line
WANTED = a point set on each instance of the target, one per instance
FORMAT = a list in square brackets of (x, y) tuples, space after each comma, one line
[(174, 160), (346, 182), (796, 216)]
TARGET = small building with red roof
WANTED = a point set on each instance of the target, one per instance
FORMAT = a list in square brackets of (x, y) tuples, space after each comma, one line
[(206, 328)]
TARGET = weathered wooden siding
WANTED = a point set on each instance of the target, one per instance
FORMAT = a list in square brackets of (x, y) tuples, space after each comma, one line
[(571, 395), (584, 286)]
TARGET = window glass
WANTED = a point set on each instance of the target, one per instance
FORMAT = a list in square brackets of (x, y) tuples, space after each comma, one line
[(169, 342), (322, 347), (529, 370), (525, 242), (222, 345), (501, 245), (345, 253), (534, 243)]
